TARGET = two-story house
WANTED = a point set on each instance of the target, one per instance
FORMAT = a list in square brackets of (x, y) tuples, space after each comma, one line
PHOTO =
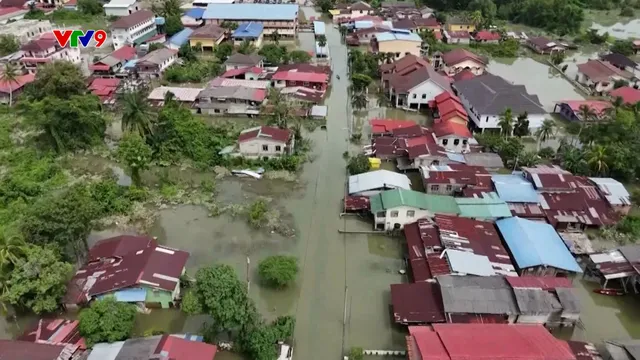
[(113, 63), (265, 142), (156, 62), (207, 37), (282, 18), (361, 8), (241, 61), (46, 50), (133, 29), (455, 24), (600, 76), (313, 80), (458, 60), (397, 42), (231, 100), (415, 88), (622, 62), (121, 7)]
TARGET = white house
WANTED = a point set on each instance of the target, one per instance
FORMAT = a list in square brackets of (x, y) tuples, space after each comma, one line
[(393, 209), (156, 62), (45, 50), (121, 7), (601, 75), (487, 96), (417, 88), (265, 142), (453, 136), (373, 182), (133, 29)]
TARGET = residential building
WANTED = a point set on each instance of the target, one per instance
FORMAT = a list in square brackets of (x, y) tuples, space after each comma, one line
[(458, 60), (402, 67), (415, 88), (487, 37), (571, 110), (56, 332), (105, 89), (265, 142), (282, 18), (313, 80), (519, 194), (489, 161), (577, 210), (488, 206), (174, 347), (25, 350), (10, 90), (392, 209), (232, 100), (193, 17), (552, 183), (491, 341), (629, 95), (252, 84), (616, 265), (622, 62), (545, 300), (156, 62), (133, 269), (452, 179), (429, 23), (361, 8), (186, 96), (239, 61), (477, 299), (453, 136), (427, 12), (448, 108), (614, 193), (113, 64), (457, 37), (463, 75), (384, 127), (398, 42), (542, 45), (600, 76), (121, 7), (536, 248), (485, 97), (425, 249), (45, 50), (373, 182), (417, 303), (247, 73), (26, 30), (180, 38), (251, 32), (133, 29), (459, 24)]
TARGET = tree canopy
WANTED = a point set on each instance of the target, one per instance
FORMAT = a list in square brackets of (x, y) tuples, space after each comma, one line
[(278, 270), (8, 44), (107, 320)]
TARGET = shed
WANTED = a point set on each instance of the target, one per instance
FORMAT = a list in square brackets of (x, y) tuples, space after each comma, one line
[(536, 247), (613, 191), (373, 182), (490, 161), (417, 303), (181, 38)]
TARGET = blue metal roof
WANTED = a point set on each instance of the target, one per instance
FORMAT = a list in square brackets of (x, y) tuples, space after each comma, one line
[(390, 36), (195, 13), (534, 243), (181, 37), (248, 30), (128, 295), (319, 28), (251, 11), (514, 188)]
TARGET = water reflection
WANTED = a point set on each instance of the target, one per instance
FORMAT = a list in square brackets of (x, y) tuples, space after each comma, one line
[(630, 30)]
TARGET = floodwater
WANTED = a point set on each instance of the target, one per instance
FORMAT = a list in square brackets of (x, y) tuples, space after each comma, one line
[(628, 30)]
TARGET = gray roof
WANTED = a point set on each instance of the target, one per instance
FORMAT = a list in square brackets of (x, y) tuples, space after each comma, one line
[(105, 351), (110, 60), (623, 349), (243, 59), (569, 300), (139, 348), (488, 160), (231, 92), (536, 301), (630, 252), (477, 295), (613, 191), (491, 95), (379, 179), (468, 263), (158, 56)]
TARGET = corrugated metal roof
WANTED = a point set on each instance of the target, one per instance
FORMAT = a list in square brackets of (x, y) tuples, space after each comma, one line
[(397, 35), (613, 191), (477, 295), (248, 30), (379, 179), (417, 303), (536, 302), (182, 37), (181, 94), (514, 188), (104, 351), (490, 206), (468, 263), (195, 13), (318, 28), (251, 12), (400, 197), (319, 110), (534, 243), (539, 282), (569, 300)]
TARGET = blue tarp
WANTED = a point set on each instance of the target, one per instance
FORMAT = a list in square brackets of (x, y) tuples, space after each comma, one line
[(129, 295), (514, 188), (534, 243)]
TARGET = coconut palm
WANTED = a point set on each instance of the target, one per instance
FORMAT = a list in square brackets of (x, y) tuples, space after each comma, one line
[(597, 159), (572, 159), (246, 47), (506, 122), (322, 40), (359, 100), (545, 132), (586, 114), (383, 99), (10, 77), (137, 114), (476, 18), (12, 248)]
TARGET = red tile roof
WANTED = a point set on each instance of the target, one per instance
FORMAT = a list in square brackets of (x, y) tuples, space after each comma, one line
[(266, 132), (598, 70), (539, 282), (598, 106), (175, 348), (417, 303), (55, 332), (464, 75), (628, 94), (412, 132), (124, 53), (313, 77), (459, 34), (446, 128), (126, 261), (485, 35), (38, 45), (381, 126), (459, 55), (20, 81), (104, 88)]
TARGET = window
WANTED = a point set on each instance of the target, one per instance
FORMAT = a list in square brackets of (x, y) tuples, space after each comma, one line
[(265, 147), (394, 213), (449, 187), (397, 54), (445, 142), (414, 96), (487, 119), (424, 96), (464, 142), (435, 187), (456, 142), (411, 213), (380, 214), (278, 148)]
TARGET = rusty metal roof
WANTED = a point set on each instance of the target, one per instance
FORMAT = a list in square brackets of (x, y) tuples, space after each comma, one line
[(417, 303)]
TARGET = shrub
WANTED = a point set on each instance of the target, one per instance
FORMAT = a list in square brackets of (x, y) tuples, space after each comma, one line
[(278, 270), (358, 164)]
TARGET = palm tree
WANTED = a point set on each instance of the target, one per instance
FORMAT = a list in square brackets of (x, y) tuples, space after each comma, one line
[(572, 159), (476, 18), (10, 77), (276, 37), (586, 114), (137, 113), (545, 132), (359, 100), (616, 104), (246, 47), (383, 99), (597, 159), (12, 248), (322, 40), (506, 122)]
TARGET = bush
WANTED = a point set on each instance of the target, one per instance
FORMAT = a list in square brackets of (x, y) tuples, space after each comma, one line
[(257, 213), (630, 225), (356, 353), (358, 164), (193, 71), (546, 153), (626, 11), (279, 270)]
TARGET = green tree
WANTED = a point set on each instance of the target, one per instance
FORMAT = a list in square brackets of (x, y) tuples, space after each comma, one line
[(13, 249), (170, 10), (135, 152), (229, 25), (505, 122), (39, 282), (274, 54), (275, 36), (186, 52), (107, 320), (259, 340), (324, 5), (359, 100), (60, 79), (223, 51), (137, 113), (278, 270), (246, 47), (487, 8), (322, 40), (360, 82), (10, 77), (597, 159), (624, 47), (90, 7), (343, 31), (557, 57), (155, 46), (521, 128), (476, 18), (358, 164), (9, 44), (545, 132), (299, 57), (356, 353), (428, 37), (546, 153)]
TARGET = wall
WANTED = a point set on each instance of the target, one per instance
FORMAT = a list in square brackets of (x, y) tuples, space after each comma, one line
[(254, 148), (476, 68), (532, 319), (401, 218), (399, 47), (455, 27), (155, 296), (440, 188), (423, 93), (485, 121), (462, 146), (122, 11)]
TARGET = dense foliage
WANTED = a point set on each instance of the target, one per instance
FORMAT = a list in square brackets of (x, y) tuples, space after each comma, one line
[(8, 44), (193, 71), (107, 320), (136, 154), (358, 164), (170, 10), (278, 270)]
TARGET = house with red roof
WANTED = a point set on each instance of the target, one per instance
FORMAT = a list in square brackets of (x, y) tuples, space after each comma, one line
[(415, 85), (453, 179), (629, 95), (487, 37), (384, 127), (160, 347), (572, 110), (458, 60), (313, 80), (132, 269), (11, 90), (105, 89), (25, 350), (453, 136), (45, 50), (55, 332), (457, 37), (111, 64), (265, 142)]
